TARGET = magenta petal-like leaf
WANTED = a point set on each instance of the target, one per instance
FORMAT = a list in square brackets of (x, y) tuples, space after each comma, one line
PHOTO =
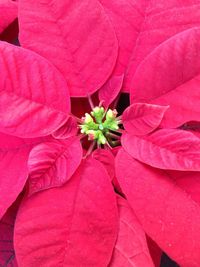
[(165, 149), (170, 76), (73, 225), (52, 164), (68, 129), (7, 253), (127, 18), (79, 32), (168, 215), (110, 90), (106, 157), (131, 247), (8, 11), (141, 118), (161, 20), (34, 99), (188, 181), (14, 154)]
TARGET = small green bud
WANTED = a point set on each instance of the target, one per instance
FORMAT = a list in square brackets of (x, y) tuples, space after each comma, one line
[(97, 124), (84, 128), (98, 113), (111, 114), (88, 118), (101, 138)]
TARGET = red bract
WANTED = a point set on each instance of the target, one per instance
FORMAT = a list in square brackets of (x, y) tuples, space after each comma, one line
[(154, 197), (69, 215), (7, 252), (141, 119), (142, 25), (14, 171), (131, 248), (29, 104), (170, 76), (77, 222), (8, 11), (75, 42), (51, 164)]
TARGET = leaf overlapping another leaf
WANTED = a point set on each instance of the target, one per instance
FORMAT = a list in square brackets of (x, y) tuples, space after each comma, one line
[(166, 212), (34, 99), (131, 247), (89, 49), (8, 11), (52, 164), (73, 225), (165, 149), (170, 76)]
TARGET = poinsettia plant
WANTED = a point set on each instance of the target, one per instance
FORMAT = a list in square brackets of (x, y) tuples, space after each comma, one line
[(82, 184)]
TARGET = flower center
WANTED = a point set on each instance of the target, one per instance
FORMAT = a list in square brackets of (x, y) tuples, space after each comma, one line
[(100, 124)]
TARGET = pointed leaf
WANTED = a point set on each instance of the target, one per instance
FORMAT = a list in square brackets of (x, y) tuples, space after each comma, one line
[(9, 142), (106, 157), (110, 90), (161, 20), (33, 95), (85, 52), (73, 225), (68, 129), (155, 251), (127, 18), (52, 164), (8, 11), (170, 76), (14, 173), (141, 118), (131, 247), (168, 215), (188, 181), (7, 253), (165, 149)]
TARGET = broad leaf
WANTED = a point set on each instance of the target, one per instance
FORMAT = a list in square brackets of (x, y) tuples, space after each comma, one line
[(12, 143), (52, 164), (141, 119), (33, 95), (131, 247), (127, 18), (170, 76), (110, 90), (161, 20), (106, 157), (14, 154), (77, 37), (68, 129), (165, 149), (73, 225), (188, 181), (8, 11), (168, 215)]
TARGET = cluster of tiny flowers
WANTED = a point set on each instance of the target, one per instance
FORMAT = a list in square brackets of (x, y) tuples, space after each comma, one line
[(100, 124)]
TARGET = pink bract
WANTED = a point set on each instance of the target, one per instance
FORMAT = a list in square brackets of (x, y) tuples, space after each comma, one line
[(8, 11), (166, 212), (30, 105), (84, 43), (87, 203), (170, 76), (70, 212)]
